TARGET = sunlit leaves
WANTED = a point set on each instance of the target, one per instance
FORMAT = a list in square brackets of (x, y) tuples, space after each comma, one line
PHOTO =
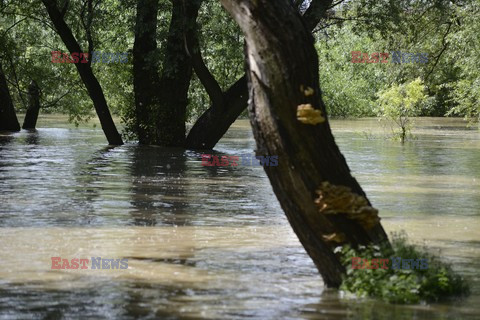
[(401, 102)]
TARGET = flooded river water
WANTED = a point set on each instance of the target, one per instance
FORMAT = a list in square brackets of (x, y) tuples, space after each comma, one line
[(212, 242)]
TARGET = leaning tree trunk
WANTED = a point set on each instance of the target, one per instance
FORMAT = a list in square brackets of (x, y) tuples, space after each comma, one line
[(86, 73), (323, 202), (8, 117), (212, 125), (33, 106), (226, 106)]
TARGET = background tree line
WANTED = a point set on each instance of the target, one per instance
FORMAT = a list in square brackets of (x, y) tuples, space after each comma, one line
[(188, 60)]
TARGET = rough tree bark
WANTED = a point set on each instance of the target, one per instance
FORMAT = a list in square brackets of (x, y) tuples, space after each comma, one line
[(31, 116), (323, 202), (176, 74), (8, 117), (145, 70), (227, 106), (86, 74), (161, 101)]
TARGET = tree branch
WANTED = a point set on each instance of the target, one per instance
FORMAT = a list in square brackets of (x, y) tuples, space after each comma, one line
[(65, 8), (17, 85), (208, 81), (336, 4), (31, 17), (445, 46), (54, 102), (87, 26), (12, 26), (316, 12)]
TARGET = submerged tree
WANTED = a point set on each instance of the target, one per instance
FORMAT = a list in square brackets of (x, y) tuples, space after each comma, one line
[(85, 70), (401, 102), (323, 202), (161, 99), (31, 116)]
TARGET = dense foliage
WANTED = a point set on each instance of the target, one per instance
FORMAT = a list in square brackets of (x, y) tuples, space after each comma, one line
[(447, 31), (441, 29)]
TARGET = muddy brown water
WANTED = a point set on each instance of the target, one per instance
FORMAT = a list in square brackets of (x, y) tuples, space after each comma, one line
[(212, 242)]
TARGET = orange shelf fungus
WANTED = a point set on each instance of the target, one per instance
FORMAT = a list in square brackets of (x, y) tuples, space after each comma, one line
[(308, 115), (333, 199)]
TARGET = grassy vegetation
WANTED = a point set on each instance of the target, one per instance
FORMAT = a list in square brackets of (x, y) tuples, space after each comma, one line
[(437, 282)]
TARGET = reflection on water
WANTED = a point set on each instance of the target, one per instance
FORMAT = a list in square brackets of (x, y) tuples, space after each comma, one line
[(212, 242)]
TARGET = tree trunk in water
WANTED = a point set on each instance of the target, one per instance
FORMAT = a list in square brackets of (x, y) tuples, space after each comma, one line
[(8, 117), (145, 71), (226, 106), (215, 122), (176, 74), (33, 106), (86, 74), (323, 202), (161, 101), (212, 125)]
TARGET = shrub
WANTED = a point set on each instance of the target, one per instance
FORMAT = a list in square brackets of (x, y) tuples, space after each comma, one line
[(400, 102), (436, 282)]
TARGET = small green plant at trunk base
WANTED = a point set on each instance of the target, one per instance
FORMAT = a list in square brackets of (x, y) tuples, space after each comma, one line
[(401, 102), (400, 285)]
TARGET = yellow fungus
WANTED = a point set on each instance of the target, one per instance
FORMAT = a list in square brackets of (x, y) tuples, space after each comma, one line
[(306, 114), (335, 199)]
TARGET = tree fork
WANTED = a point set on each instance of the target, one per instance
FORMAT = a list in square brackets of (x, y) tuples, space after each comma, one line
[(324, 204), (212, 125)]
